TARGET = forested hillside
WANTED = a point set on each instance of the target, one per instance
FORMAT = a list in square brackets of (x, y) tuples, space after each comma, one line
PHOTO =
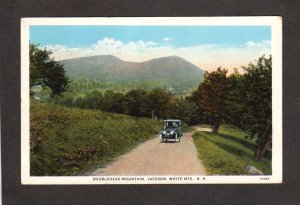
[(172, 72)]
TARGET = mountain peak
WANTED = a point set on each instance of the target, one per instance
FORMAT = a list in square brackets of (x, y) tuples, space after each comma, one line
[(101, 57), (174, 56), (167, 58), (169, 70)]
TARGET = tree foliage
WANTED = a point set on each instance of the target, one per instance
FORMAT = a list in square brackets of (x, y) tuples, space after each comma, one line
[(257, 116), (258, 95), (211, 94), (46, 72), (248, 102), (234, 100), (187, 111), (243, 99), (161, 101), (136, 102)]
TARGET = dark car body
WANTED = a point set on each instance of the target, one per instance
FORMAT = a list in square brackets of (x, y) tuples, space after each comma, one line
[(172, 130)]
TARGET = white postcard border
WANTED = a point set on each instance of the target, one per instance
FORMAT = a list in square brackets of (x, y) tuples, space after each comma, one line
[(274, 21)]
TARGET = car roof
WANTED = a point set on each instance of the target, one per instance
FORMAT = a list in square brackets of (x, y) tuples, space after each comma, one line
[(172, 120)]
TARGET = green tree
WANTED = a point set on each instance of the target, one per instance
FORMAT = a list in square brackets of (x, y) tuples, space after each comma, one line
[(46, 72), (136, 103), (257, 116), (213, 91), (161, 102), (195, 97), (187, 111), (248, 102), (113, 102), (93, 99), (235, 99)]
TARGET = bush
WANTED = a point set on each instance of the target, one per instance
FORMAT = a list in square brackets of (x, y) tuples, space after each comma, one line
[(70, 141)]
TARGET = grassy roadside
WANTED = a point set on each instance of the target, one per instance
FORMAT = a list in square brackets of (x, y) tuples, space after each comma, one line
[(227, 152), (70, 141)]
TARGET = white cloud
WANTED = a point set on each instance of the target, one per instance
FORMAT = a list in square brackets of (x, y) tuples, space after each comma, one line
[(206, 56), (108, 44), (262, 44), (167, 38)]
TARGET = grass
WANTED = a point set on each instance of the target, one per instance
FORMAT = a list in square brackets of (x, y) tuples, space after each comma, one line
[(186, 128), (227, 152), (205, 126), (71, 141)]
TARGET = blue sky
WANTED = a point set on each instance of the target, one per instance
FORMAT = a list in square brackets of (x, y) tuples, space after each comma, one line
[(181, 35), (199, 44)]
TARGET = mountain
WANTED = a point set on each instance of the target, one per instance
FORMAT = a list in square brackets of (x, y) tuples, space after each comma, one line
[(172, 71)]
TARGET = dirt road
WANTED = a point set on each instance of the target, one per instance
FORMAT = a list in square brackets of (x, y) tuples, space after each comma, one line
[(156, 158)]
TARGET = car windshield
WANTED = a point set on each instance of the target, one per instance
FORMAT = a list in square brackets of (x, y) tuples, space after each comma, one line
[(172, 124)]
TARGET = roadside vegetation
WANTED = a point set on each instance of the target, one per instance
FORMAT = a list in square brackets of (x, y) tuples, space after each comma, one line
[(156, 103), (242, 99), (228, 151), (69, 141)]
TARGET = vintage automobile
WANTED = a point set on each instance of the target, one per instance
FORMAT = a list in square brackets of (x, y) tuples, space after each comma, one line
[(172, 130)]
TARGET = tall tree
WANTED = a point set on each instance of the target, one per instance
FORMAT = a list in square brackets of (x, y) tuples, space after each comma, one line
[(195, 97), (248, 102), (234, 99), (212, 91), (45, 71), (258, 103)]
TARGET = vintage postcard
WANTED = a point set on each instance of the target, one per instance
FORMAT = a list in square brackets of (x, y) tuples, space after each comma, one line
[(181, 100)]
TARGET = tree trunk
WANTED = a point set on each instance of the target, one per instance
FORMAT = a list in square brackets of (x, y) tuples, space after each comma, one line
[(215, 127), (266, 144), (258, 148), (264, 141)]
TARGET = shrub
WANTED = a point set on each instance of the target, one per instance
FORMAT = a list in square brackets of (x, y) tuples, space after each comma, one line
[(70, 141)]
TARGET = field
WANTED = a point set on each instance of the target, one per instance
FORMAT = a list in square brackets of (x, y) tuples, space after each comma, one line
[(227, 152), (71, 141)]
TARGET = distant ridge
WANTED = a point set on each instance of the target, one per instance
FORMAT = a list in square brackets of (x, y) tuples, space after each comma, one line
[(171, 71)]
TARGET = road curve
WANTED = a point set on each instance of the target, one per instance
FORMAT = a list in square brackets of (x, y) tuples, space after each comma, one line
[(155, 158)]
